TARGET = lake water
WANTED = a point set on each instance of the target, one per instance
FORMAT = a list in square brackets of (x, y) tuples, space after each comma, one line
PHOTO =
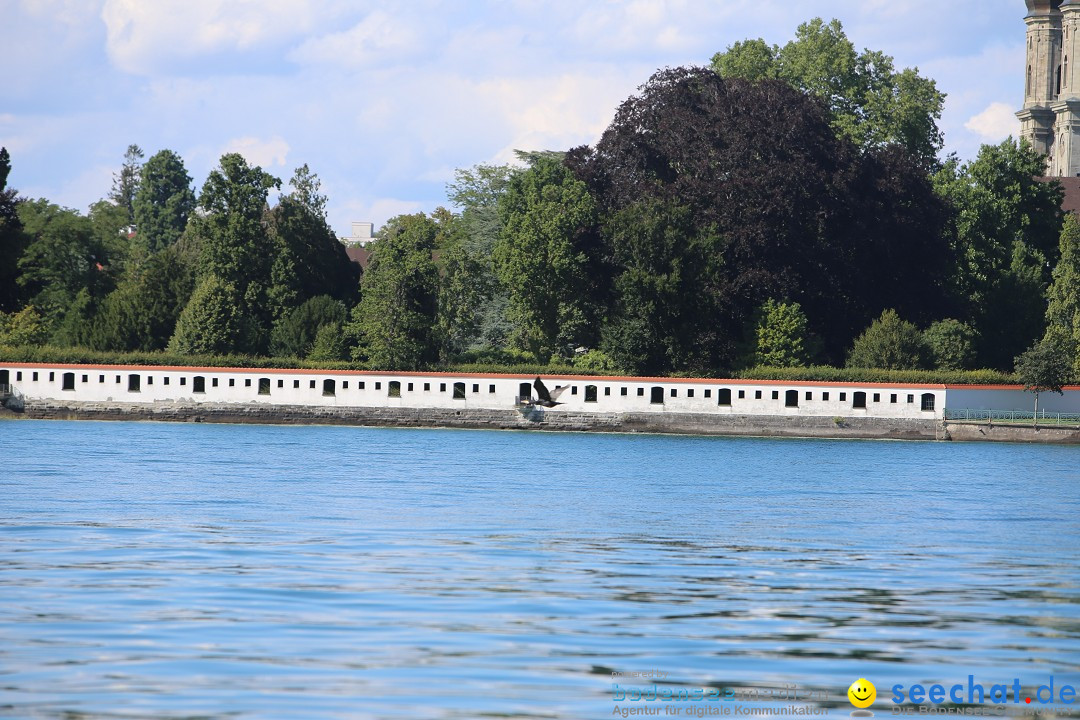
[(193, 571)]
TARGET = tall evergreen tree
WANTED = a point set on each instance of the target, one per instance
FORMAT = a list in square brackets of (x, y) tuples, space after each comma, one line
[(126, 182), (12, 240), (163, 201), (1063, 310)]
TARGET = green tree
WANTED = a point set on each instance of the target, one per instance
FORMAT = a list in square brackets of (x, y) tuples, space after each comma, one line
[(889, 344), (63, 257), (236, 248), (210, 322), (466, 284), (12, 240), (783, 335), (1044, 367), (871, 103), (1063, 310), (396, 316), (951, 344), (330, 344), (25, 327), (295, 335), (308, 258), (544, 210), (126, 182), (1004, 235), (163, 202)]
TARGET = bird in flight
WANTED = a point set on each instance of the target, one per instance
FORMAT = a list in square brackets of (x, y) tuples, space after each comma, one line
[(545, 398)]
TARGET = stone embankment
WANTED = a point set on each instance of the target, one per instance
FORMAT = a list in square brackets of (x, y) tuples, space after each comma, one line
[(509, 419)]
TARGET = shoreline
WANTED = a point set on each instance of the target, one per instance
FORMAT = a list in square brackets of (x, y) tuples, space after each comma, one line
[(536, 419)]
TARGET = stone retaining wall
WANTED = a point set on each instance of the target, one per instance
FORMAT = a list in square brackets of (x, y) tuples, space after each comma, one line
[(509, 419)]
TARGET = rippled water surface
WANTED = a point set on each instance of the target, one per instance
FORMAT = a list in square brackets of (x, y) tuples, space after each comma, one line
[(168, 571)]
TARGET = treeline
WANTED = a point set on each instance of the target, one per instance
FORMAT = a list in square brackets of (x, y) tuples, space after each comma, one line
[(784, 207)]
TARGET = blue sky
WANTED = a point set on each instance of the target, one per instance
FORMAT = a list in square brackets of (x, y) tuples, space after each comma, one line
[(383, 100)]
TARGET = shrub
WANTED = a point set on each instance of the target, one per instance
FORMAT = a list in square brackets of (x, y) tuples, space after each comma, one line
[(890, 344)]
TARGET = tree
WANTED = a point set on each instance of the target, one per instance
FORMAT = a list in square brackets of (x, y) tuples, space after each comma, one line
[(126, 182), (870, 102), (1063, 310), (544, 211), (12, 240), (63, 256), (25, 327), (235, 247), (395, 318), (466, 285), (163, 201), (296, 334), (796, 212), (210, 323), (308, 258), (951, 344), (1044, 367), (1004, 235), (782, 335), (889, 344)]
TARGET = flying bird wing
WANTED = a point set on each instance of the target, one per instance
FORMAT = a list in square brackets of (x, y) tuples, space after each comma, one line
[(541, 390), (558, 391)]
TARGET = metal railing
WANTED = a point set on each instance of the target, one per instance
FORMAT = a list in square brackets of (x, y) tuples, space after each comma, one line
[(6, 391), (1012, 416)]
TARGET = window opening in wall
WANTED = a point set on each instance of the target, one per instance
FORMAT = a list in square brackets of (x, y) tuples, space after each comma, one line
[(134, 383), (524, 392), (858, 400), (409, 387), (723, 396), (281, 384), (590, 393), (427, 387), (928, 402), (311, 385), (149, 379), (247, 382), (33, 377), (459, 391), (164, 380), (843, 397), (360, 385), (264, 386), (232, 382), (708, 393), (892, 397), (573, 390), (674, 392), (5, 377), (344, 384), (393, 389), (624, 391), (641, 392), (491, 389), (85, 378), (18, 375), (52, 377), (101, 379), (607, 391), (910, 399), (877, 397), (791, 398), (183, 381), (757, 394), (775, 394), (378, 385), (296, 384), (690, 393), (476, 387), (657, 396), (213, 382), (442, 387), (198, 384), (69, 381), (809, 396), (825, 396), (329, 387), (742, 394)]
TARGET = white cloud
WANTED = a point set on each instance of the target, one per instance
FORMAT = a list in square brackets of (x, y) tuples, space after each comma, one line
[(144, 37), (378, 39), (995, 123), (264, 153)]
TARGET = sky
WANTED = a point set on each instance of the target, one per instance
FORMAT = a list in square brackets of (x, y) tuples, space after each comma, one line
[(383, 100)]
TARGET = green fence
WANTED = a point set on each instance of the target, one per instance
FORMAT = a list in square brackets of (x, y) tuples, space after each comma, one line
[(1013, 416)]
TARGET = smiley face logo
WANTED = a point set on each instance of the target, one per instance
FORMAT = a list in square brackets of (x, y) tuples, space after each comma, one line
[(862, 693)]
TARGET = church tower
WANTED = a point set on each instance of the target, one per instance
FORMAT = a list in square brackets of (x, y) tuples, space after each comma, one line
[(1050, 120)]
